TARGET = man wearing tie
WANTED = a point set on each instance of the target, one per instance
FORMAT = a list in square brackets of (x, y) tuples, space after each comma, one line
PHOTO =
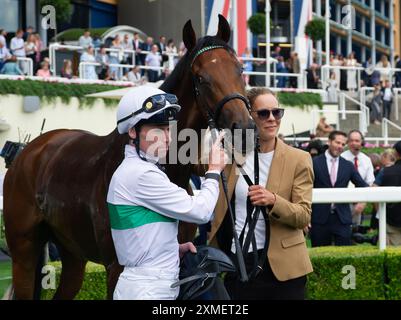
[(363, 164), (333, 221), (136, 45)]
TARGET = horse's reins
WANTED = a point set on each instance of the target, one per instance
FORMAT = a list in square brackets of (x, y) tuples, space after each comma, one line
[(213, 118)]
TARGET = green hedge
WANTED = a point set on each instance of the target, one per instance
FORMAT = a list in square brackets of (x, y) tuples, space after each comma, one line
[(74, 33), (393, 269), (300, 99), (49, 91), (93, 287), (325, 283), (378, 275)]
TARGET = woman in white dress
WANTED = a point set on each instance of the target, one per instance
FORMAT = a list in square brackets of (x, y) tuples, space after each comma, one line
[(116, 58), (332, 88), (385, 69), (89, 70), (351, 74), (337, 62)]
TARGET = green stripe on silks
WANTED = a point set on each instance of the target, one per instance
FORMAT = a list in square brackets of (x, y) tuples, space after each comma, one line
[(124, 217)]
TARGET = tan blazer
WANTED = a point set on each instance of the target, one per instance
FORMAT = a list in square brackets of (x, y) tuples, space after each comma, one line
[(291, 179)]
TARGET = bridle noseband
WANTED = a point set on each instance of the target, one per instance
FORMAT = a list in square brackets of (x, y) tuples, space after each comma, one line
[(213, 116)]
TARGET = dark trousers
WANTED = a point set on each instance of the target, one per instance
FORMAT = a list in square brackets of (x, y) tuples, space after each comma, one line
[(152, 75), (265, 286), (334, 229), (387, 109)]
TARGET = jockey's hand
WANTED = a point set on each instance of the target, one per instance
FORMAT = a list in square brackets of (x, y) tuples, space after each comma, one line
[(260, 196), (187, 246), (217, 157)]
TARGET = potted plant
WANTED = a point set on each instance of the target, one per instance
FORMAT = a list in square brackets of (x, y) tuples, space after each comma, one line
[(315, 29)]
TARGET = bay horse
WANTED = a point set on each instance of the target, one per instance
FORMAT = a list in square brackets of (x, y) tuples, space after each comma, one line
[(56, 188)]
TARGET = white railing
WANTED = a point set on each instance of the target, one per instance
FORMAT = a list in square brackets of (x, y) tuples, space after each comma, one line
[(363, 95), (385, 124), (326, 72), (82, 68), (300, 76), (379, 195), (56, 46), (376, 140), (364, 119), (30, 65)]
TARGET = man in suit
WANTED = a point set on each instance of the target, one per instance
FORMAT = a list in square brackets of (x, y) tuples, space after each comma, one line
[(146, 46), (332, 171), (392, 178), (285, 190), (161, 45), (136, 45), (398, 73)]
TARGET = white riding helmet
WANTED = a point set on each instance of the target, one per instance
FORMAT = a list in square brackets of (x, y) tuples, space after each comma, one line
[(138, 104)]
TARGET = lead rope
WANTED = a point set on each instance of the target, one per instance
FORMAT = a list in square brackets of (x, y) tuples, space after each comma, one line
[(238, 250)]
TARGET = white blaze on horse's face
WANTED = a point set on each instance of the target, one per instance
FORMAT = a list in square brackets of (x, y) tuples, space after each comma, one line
[(214, 60)]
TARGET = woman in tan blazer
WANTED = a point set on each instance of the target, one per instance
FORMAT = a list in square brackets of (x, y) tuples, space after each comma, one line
[(286, 182)]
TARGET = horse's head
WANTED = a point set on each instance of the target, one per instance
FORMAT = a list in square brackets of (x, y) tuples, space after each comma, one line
[(217, 78)]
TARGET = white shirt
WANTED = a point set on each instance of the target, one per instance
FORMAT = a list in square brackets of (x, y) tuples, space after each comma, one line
[(241, 191), (85, 42), (329, 161), (145, 207), (15, 46), (365, 167), (388, 95), (4, 54), (134, 76), (127, 46), (153, 59)]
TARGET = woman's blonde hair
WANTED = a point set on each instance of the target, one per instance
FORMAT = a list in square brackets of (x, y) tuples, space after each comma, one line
[(389, 154), (253, 93)]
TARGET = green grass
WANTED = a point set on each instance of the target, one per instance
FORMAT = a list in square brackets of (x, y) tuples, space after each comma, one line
[(5, 272)]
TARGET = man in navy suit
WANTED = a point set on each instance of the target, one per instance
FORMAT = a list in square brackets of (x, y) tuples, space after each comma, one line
[(332, 171)]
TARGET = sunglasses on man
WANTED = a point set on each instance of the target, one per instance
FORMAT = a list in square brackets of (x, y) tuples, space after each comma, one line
[(264, 114)]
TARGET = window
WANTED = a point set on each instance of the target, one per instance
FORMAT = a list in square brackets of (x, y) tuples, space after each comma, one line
[(10, 16)]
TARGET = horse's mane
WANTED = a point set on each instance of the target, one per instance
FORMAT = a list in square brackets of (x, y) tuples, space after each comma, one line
[(183, 64)]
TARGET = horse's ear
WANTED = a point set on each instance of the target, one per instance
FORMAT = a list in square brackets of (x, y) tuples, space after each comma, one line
[(188, 36), (224, 30)]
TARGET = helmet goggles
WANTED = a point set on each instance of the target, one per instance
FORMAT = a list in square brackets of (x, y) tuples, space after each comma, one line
[(155, 103)]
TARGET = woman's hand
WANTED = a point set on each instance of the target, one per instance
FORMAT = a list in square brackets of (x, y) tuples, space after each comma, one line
[(260, 196), (184, 247)]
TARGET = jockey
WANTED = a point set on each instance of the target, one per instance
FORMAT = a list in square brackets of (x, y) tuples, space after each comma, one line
[(145, 206)]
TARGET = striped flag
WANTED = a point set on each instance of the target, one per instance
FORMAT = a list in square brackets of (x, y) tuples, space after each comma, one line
[(241, 36), (302, 13)]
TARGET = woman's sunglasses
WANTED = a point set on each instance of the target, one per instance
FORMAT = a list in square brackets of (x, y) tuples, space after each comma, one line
[(264, 114)]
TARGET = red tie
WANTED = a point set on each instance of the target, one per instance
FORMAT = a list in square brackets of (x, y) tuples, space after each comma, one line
[(356, 163)]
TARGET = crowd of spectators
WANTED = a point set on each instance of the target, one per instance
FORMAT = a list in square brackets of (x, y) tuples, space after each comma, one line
[(341, 163), (103, 59)]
